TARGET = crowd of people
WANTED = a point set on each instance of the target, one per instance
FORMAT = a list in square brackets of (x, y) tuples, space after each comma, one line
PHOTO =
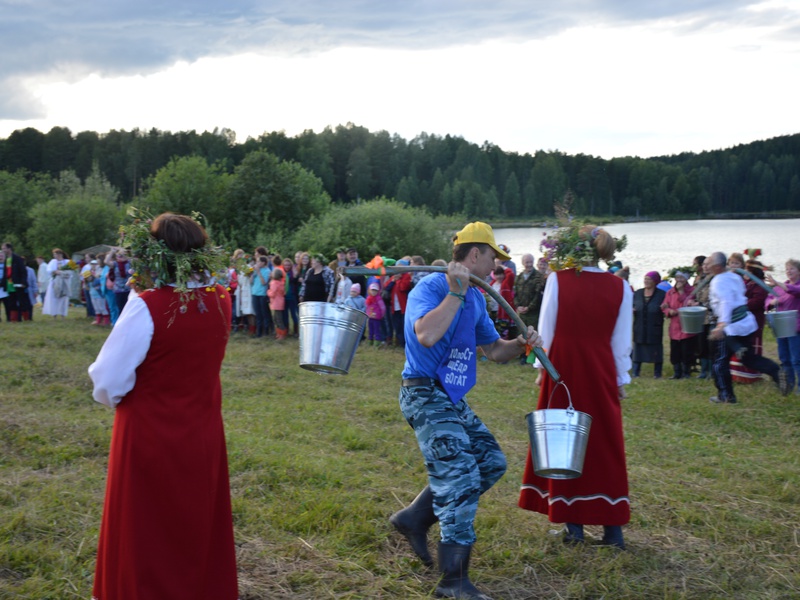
[(736, 293)]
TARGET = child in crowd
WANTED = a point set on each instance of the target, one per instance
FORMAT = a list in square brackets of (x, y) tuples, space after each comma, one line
[(376, 309), (277, 302), (261, 279), (96, 293), (356, 300)]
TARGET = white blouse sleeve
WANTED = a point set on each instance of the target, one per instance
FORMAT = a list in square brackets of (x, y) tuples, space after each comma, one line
[(114, 371), (548, 315), (622, 337)]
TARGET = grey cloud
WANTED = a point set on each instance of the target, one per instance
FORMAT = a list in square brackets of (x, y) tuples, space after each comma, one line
[(117, 37)]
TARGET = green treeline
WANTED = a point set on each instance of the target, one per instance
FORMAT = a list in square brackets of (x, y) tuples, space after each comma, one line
[(445, 174)]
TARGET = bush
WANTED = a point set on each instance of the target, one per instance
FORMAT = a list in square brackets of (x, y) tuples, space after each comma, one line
[(381, 225)]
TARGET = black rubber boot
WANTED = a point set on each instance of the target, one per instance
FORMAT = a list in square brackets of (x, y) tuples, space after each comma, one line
[(414, 521), (454, 566), (612, 536), (678, 371), (573, 533)]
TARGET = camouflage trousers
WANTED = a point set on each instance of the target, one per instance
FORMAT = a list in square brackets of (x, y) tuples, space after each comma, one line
[(461, 455)]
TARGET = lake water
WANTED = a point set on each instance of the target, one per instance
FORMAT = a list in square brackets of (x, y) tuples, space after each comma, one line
[(662, 245)]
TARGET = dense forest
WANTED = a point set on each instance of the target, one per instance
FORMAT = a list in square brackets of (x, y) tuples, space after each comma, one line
[(444, 174)]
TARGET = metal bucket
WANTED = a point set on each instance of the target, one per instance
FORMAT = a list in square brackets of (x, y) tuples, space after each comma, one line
[(329, 336), (783, 323), (558, 439), (693, 318)]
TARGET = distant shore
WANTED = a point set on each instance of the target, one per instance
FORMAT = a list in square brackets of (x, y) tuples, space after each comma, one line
[(645, 219)]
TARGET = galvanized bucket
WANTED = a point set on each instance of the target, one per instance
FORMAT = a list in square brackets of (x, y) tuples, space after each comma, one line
[(783, 323), (329, 336), (558, 439), (692, 318)]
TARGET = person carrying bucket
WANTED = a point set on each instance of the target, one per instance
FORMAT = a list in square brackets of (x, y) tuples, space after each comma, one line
[(733, 334), (788, 299), (445, 321), (586, 324)]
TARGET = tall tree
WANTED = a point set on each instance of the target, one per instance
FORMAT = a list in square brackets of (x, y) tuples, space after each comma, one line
[(269, 198), (23, 150), (189, 184), (58, 151), (313, 155), (549, 183), (85, 144), (512, 197), (18, 195), (359, 175)]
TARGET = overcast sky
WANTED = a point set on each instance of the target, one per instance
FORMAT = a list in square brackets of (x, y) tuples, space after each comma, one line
[(607, 78)]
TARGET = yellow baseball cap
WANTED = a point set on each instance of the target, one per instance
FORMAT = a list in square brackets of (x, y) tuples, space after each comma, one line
[(479, 233)]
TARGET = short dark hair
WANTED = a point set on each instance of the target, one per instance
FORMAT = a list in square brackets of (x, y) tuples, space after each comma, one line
[(8, 245), (460, 251)]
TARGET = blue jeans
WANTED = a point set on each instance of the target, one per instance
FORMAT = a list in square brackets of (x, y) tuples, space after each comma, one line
[(292, 312), (461, 455), (789, 353), (263, 316)]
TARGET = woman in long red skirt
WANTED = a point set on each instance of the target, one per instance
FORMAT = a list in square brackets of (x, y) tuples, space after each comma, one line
[(167, 529), (585, 322)]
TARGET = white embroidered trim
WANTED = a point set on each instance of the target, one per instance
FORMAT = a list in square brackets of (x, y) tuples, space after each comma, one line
[(570, 501)]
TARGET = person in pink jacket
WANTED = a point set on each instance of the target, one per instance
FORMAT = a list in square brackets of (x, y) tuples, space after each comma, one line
[(277, 302), (681, 345), (788, 298)]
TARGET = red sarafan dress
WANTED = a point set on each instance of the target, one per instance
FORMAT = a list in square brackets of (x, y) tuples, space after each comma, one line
[(581, 351), (167, 529)]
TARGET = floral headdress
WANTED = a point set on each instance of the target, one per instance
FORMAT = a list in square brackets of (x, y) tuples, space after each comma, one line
[(571, 245), (155, 265), (752, 253)]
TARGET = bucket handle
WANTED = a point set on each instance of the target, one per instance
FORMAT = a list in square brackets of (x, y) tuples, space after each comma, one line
[(570, 408)]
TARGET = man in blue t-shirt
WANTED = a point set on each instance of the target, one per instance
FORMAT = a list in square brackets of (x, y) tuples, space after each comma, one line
[(445, 321)]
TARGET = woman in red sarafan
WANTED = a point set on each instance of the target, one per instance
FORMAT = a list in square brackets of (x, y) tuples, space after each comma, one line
[(167, 529), (586, 325)]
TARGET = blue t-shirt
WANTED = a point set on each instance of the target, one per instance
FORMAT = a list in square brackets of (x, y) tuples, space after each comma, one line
[(424, 297), (258, 288)]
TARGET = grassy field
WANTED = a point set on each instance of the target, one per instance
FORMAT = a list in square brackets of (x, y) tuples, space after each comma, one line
[(318, 463)]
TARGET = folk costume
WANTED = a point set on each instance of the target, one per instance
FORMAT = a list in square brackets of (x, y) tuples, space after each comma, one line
[(56, 299), (167, 529), (585, 323)]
